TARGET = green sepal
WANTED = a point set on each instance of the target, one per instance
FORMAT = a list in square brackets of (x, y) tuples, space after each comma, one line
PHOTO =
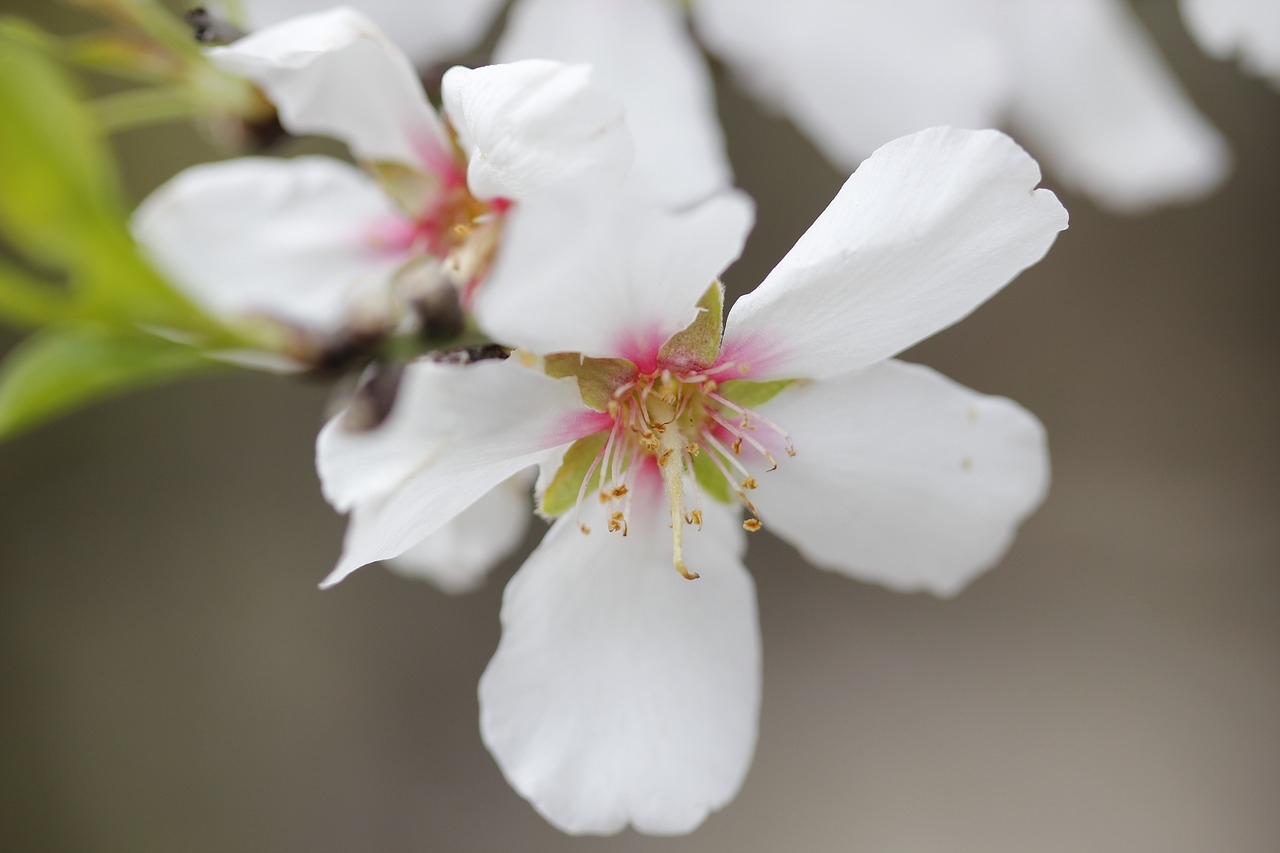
[(697, 346), (55, 371), (562, 493), (710, 480), (751, 395), (597, 377)]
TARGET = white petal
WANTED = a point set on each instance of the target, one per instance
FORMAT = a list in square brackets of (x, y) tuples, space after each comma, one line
[(456, 432), (1249, 29), (427, 30), (293, 239), (621, 692), (640, 50), (457, 557), (902, 477), (534, 125), (1111, 120), (926, 230), (609, 277), (336, 74), (853, 74)]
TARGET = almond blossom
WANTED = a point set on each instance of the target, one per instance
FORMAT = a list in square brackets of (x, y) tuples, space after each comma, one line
[(1244, 29), (1080, 81), (626, 686), (323, 258), (333, 248)]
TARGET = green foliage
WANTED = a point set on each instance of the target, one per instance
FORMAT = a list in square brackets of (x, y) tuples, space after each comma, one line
[(61, 207), (58, 180), (28, 301), (562, 494), (58, 370)]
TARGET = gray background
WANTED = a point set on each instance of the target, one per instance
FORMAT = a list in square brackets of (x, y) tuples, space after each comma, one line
[(173, 681)]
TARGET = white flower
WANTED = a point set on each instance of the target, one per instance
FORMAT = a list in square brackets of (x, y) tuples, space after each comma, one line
[(621, 693), (1080, 81), (1247, 29), (639, 49), (319, 243), (428, 30)]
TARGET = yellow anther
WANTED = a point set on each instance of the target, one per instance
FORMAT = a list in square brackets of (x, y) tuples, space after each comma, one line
[(618, 522), (750, 483), (605, 497), (692, 448), (620, 491), (737, 447), (751, 525), (695, 517), (585, 530)]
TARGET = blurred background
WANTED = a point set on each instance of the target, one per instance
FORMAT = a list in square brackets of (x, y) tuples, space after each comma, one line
[(174, 681)]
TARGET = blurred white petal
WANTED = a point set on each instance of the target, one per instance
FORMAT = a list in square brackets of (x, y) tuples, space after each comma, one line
[(1244, 29), (639, 50), (1096, 99), (336, 74), (853, 74), (429, 31), (537, 125), (292, 239)]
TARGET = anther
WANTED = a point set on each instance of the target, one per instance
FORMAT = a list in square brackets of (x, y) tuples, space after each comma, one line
[(749, 483), (617, 522), (620, 491), (751, 525), (585, 530)]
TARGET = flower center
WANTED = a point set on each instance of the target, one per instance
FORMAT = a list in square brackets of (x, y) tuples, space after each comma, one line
[(694, 434)]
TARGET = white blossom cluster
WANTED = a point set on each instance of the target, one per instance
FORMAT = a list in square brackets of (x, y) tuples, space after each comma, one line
[(574, 206)]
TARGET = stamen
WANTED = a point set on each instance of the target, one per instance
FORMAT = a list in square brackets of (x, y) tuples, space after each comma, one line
[(695, 515), (759, 418), (582, 490), (751, 525), (728, 457), (741, 437), (617, 522)]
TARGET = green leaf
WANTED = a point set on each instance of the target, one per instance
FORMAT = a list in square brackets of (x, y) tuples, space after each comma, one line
[(697, 346), (562, 494), (56, 371), (751, 395), (28, 301), (58, 177)]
